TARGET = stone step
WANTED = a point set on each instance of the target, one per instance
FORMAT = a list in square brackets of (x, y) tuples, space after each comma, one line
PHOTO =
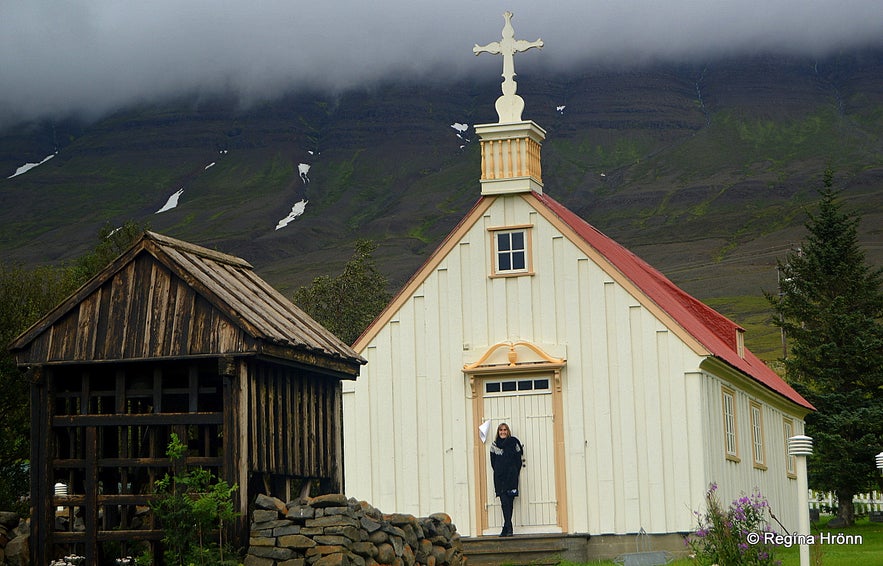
[(516, 550)]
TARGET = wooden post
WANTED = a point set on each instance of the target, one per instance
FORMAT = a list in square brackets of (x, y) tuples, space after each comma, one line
[(41, 501), (90, 507), (228, 369), (337, 433)]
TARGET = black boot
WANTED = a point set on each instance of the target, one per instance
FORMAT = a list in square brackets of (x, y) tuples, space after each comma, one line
[(507, 531)]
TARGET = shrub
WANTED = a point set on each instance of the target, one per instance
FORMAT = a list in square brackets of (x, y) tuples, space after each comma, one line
[(191, 506), (723, 534)]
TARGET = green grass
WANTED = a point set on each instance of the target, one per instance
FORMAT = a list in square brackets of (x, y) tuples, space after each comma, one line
[(869, 551)]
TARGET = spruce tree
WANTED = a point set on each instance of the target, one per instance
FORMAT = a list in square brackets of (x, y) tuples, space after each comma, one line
[(830, 306)]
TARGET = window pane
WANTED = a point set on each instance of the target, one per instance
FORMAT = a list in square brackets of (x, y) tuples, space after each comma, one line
[(525, 385), (503, 242), (509, 386), (517, 240), (541, 384), (518, 260), (505, 262), (492, 387)]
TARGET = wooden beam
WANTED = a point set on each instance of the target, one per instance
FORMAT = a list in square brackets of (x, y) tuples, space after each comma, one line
[(124, 499), (136, 419), (73, 537), (205, 461)]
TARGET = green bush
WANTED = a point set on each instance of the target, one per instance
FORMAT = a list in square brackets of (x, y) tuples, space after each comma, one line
[(191, 506)]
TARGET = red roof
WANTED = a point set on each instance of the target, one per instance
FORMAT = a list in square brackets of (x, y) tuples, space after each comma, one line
[(710, 328)]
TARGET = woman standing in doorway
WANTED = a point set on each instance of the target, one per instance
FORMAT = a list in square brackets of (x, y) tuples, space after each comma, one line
[(506, 455)]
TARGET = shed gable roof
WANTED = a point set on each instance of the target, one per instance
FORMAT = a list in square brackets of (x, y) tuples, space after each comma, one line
[(168, 298)]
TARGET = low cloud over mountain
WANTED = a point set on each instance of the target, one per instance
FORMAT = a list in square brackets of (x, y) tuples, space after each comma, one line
[(89, 57)]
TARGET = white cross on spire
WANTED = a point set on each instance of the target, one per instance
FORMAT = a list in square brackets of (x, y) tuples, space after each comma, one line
[(510, 105)]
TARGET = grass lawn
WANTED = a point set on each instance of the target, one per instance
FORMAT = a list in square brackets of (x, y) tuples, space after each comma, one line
[(868, 552)]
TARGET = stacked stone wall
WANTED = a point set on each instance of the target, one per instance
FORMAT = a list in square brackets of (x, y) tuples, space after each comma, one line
[(14, 536), (331, 530)]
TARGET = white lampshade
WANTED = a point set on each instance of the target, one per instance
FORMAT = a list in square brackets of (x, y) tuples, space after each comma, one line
[(800, 446)]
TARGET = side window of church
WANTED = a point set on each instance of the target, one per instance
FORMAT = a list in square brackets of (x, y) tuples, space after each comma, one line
[(731, 439), (790, 463), (759, 452)]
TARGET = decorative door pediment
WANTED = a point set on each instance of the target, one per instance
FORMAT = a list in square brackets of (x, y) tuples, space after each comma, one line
[(508, 357)]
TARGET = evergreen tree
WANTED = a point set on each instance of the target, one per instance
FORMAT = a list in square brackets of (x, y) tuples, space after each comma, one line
[(830, 307), (346, 304), (111, 243), (25, 296)]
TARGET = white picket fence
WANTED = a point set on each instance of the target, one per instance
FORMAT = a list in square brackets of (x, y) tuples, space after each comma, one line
[(864, 502)]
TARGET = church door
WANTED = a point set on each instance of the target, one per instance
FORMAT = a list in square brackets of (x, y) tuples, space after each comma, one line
[(525, 403)]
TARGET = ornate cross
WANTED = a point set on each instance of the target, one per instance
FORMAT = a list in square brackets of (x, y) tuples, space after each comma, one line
[(510, 105)]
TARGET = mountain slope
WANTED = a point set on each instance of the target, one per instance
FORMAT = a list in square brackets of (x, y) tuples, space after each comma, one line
[(703, 170)]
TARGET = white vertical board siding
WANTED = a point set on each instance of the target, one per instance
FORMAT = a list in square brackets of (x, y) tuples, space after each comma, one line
[(406, 441), (626, 386)]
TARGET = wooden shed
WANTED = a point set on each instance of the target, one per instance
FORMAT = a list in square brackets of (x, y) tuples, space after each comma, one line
[(173, 338)]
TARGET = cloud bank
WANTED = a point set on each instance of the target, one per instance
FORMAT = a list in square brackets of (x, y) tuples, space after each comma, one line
[(89, 57)]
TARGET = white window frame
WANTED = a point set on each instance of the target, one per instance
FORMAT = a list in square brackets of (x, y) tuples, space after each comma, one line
[(527, 250), (758, 450), (731, 428), (790, 461)]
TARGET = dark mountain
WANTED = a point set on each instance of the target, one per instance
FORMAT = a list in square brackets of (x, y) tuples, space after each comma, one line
[(704, 170)]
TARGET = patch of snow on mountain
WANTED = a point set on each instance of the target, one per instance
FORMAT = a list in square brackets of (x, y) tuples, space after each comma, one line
[(303, 169), (296, 211), (212, 164), (462, 129), (28, 166), (560, 109), (172, 202)]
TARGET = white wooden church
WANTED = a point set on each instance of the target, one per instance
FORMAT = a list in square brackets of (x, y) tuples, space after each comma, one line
[(629, 395)]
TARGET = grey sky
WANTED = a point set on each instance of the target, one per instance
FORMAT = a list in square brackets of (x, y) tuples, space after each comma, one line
[(59, 57)]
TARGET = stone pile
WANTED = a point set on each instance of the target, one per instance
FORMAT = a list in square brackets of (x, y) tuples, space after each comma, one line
[(331, 530), (14, 536)]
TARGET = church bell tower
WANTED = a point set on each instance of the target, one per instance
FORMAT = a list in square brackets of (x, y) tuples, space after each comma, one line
[(510, 148)]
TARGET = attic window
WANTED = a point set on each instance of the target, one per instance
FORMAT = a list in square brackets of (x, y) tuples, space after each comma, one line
[(511, 249), (740, 342)]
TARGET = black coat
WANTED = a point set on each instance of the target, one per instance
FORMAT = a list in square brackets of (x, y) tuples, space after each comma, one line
[(506, 454)]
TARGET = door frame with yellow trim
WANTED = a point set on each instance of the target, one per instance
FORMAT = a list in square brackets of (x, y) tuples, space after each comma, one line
[(516, 361)]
